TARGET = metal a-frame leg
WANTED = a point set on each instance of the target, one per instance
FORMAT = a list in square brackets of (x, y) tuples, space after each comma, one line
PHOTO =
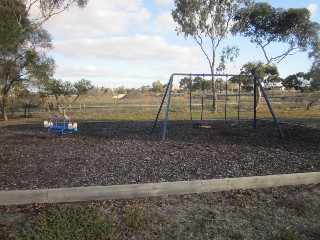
[(257, 81), (169, 86)]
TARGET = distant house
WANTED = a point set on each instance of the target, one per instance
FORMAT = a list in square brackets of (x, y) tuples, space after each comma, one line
[(119, 96), (274, 86)]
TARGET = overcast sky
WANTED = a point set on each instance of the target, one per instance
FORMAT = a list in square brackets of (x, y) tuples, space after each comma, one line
[(133, 43)]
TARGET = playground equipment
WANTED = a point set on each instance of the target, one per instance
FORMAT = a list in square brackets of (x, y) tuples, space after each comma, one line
[(202, 124), (238, 96), (66, 127), (256, 82)]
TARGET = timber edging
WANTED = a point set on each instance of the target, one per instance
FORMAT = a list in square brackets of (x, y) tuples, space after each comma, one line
[(154, 189)]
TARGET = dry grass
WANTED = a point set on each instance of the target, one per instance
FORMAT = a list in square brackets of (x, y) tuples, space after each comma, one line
[(195, 216)]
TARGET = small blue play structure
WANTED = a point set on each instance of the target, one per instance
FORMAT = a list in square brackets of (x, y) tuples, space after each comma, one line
[(66, 127)]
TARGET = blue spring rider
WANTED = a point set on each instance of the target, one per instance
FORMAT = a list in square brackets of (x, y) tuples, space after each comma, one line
[(67, 127)]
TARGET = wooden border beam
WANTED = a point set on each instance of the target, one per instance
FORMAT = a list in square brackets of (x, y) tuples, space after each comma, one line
[(77, 194)]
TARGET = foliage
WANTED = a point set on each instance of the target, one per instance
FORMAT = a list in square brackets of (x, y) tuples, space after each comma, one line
[(267, 73), (65, 93), (157, 87), (298, 81), (121, 90), (228, 53), (144, 89), (69, 222), (315, 78), (265, 25), (22, 50), (185, 83), (23, 42), (49, 8), (198, 83), (210, 19), (201, 84)]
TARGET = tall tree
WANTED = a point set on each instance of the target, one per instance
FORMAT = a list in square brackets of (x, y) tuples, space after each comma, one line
[(265, 25), (315, 68), (22, 50), (207, 20), (267, 73), (298, 81), (315, 79), (24, 43)]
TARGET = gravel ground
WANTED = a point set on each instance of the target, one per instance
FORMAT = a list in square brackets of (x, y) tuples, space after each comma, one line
[(111, 153)]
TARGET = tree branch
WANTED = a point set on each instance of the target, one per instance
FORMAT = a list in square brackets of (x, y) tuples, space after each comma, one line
[(199, 42), (51, 11), (287, 53), (264, 51)]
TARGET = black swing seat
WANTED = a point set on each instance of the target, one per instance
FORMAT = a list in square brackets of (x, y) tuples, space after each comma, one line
[(201, 125)]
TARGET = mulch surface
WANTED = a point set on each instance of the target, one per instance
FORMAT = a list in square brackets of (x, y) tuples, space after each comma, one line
[(112, 153)]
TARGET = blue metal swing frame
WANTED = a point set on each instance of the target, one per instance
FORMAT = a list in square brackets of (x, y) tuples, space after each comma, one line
[(256, 81)]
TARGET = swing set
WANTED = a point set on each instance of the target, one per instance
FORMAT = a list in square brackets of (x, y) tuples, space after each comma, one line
[(200, 124)]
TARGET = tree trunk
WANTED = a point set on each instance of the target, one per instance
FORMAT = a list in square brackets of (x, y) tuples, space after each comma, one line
[(259, 96), (214, 93), (309, 105), (3, 108), (64, 113)]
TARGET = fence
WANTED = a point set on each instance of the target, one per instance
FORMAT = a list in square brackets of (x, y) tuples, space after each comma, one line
[(148, 105)]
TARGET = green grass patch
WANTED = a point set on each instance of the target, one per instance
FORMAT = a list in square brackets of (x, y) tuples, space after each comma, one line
[(82, 221), (69, 222)]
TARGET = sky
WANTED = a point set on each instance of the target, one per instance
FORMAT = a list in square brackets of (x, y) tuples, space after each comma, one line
[(132, 43)]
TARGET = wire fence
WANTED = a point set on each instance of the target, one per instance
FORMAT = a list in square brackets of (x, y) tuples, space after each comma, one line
[(146, 106)]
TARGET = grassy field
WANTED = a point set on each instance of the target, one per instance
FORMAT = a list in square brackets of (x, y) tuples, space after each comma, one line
[(288, 107)]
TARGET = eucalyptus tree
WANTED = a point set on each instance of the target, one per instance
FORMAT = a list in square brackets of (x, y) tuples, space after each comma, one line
[(22, 50), (315, 69), (208, 22), (24, 43), (266, 25), (268, 74)]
